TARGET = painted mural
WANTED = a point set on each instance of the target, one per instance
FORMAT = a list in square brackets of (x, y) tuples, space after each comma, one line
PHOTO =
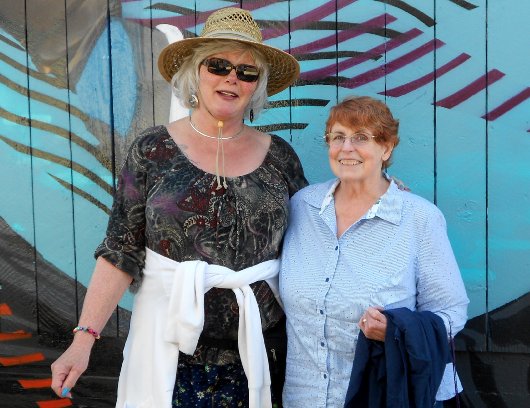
[(78, 82)]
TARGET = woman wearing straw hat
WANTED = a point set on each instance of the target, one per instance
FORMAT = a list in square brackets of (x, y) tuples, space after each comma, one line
[(196, 226)]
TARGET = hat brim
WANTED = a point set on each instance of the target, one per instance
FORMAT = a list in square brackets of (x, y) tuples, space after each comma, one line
[(283, 67)]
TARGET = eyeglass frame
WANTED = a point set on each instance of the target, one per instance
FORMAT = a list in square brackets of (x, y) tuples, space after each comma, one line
[(354, 140), (240, 69)]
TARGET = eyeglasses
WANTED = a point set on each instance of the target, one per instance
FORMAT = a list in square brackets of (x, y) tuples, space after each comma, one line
[(337, 139), (222, 67)]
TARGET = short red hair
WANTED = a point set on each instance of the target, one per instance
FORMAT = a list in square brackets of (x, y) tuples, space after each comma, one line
[(367, 113)]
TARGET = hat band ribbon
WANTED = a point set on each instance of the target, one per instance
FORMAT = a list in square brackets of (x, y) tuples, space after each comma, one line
[(232, 35)]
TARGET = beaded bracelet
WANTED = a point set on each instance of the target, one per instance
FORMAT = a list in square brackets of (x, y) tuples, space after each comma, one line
[(88, 330)]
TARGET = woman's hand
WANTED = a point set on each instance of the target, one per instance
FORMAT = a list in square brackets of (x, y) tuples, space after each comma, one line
[(373, 324), (106, 287), (67, 369)]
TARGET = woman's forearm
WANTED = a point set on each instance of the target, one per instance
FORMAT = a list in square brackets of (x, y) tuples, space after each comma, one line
[(107, 286)]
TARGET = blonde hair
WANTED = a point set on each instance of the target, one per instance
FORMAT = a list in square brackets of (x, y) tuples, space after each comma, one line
[(185, 82)]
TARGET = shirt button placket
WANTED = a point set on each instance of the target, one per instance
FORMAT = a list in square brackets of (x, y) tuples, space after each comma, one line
[(322, 354)]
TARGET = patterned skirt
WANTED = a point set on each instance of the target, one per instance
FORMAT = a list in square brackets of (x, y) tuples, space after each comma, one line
[(212, 386)]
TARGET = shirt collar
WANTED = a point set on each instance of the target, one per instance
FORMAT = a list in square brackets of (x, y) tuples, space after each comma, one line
[(391, 204), (328, 198), (389, 207)]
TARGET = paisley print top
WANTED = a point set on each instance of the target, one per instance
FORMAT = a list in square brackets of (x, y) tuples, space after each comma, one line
[(165, 203)]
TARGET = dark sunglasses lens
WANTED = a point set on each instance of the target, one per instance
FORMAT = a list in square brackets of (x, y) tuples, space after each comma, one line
[(247, 73), (218, 66)]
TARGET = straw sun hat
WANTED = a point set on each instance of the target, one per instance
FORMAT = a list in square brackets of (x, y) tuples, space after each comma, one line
[(236, 25)]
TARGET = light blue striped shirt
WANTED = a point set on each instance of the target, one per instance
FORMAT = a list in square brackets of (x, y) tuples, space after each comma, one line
[(396, 255)]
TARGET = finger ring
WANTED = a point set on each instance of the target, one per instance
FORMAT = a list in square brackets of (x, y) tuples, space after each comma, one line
[(364, 320)]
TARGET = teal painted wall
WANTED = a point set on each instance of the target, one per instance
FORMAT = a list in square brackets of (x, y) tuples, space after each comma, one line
[(78, 81)]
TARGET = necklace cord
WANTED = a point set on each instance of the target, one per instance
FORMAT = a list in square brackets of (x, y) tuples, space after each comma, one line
[(194, 127), (221, 145), (220, 149)]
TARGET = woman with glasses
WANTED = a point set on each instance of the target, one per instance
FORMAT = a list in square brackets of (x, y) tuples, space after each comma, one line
[(359, 251), (196, 226)]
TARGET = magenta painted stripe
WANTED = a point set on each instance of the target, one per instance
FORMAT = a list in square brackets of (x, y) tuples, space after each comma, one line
[(508, 105), (350, 62), (472, 89), (186, 22), (424, 80), (251, 5), (343, 35), (181, 22), (319, 13), (392, 66), (306, 19), (362, 28)]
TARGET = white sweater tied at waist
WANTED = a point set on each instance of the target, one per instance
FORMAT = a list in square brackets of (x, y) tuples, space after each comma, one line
[(168, 317)]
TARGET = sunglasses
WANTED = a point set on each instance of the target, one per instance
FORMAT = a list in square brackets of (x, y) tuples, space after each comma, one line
[(222, 67)]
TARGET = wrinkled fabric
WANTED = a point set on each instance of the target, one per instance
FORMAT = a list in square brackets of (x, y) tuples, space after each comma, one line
[(406, 369), (165, 203), (168, 317), (397, 255)]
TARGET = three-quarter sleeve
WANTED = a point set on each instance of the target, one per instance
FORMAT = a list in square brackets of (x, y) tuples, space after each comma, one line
[(124, 243), (439, 282)]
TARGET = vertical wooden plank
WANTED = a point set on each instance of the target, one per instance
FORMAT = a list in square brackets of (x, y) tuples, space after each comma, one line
[(273, 19), (17, 259), (132, 73), (51, 149), (361, 44), (313, 35), (410, 54), (461, 151), (91, 127), (132, 85), (182, 15), (361, 47), (508, 105)]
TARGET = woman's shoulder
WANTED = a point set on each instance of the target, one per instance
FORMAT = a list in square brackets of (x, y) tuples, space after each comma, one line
[(416, 200), (314, 193), (154, 144), (151, 137), (281, 148), (419, 206), (152, 148), (283, 158)]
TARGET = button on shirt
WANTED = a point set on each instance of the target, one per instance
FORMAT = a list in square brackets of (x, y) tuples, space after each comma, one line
[(396, 255)]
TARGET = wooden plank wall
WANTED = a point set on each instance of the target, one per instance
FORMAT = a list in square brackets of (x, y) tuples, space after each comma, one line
[(79, 80)]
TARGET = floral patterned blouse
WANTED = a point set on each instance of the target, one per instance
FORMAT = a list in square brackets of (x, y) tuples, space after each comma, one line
[(165, 203)]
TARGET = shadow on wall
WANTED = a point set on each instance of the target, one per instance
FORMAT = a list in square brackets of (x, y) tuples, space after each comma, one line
[(54, 310)]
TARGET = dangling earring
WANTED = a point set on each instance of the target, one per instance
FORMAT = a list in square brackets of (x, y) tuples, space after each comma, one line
[(251, 115), (193, 101)]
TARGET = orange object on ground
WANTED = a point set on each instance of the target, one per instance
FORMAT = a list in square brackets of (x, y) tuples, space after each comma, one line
[(5, 310), (19, 360), (40, 383), (17, 335), (64, 402)]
